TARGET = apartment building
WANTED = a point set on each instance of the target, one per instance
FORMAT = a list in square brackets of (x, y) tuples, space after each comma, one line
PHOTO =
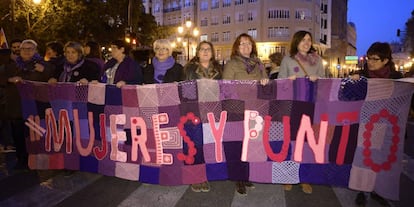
[(272, 23)]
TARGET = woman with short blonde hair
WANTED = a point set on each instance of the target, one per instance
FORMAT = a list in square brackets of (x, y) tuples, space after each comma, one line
[(163, 68)]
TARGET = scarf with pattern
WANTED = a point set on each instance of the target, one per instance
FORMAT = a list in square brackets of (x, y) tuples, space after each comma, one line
[(310, 58), (251, 63), (68, 70)]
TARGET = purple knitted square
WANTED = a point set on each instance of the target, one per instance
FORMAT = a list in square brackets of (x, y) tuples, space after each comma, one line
[(207, 107), (129, 96), (188, 91), (235, 109), (260, 172)]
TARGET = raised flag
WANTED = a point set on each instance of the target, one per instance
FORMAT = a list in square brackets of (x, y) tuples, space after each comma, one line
[(3, 40)]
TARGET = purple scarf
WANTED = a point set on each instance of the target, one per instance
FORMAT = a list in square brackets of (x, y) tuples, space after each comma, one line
[(251, 63), (160, 68), (311, 58), (23, 64), (68, 70)]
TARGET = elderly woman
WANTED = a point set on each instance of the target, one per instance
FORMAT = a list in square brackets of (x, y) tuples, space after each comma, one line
[(30, 66), (76, 68), (163, 68), (121, 69)]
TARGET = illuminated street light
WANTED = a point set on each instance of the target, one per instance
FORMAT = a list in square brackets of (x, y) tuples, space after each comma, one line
[(187, 32)]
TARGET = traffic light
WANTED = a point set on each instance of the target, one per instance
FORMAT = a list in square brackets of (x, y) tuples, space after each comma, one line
[(398, 32)]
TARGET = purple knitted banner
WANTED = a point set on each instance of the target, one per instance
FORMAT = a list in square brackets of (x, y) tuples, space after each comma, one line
[(330, 132)]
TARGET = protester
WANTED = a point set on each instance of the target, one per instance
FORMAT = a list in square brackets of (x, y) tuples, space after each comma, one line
[(54, 55), (163, 68), (275, 60), (303, 60), (76, 68), (15, 48), (244, 65), (92, 51), (410, 74), (7, 70), (203, 65), (30, 66), (379, 65), (121, 69)]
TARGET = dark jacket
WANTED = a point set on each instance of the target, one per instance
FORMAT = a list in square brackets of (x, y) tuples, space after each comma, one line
[(29, 72), (393, 74), (58, 63), (175, 73), (128, 71), (10, 104), (88, 70), (192, 71)]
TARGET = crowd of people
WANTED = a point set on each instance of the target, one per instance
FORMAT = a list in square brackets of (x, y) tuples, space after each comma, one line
[(84, 64)]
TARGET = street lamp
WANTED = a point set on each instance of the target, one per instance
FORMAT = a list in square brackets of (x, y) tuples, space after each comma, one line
[(187, 33)]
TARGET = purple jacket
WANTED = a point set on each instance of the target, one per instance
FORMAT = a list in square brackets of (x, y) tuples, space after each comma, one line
[(128, 71)]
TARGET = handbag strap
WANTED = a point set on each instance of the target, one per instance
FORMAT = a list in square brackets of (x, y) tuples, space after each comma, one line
[(301, 66)]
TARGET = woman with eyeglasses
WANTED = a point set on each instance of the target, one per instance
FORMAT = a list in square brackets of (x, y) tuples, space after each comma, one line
[(163, 68), (244, 65), (30, 66), (203, 65), (303, 60), (379, 65)]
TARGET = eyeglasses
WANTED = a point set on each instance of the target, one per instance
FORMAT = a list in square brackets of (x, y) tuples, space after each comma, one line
[(205, 49), (245, 44), (27, 48), (373, 59), (164, 49)]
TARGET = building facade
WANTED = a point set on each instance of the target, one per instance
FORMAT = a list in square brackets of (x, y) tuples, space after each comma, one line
[(271, 23)]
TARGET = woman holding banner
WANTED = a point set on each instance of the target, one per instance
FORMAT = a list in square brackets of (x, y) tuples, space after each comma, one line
[(245, 65), (302, 62), (30, 66), (203, 65), (379, 65)]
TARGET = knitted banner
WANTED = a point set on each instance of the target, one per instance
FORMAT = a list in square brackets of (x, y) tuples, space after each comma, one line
[(330, 132)]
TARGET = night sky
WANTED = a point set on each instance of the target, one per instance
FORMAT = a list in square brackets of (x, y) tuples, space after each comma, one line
[(378, 20)]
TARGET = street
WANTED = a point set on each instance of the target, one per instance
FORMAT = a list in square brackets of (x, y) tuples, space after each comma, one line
[(54, 188)]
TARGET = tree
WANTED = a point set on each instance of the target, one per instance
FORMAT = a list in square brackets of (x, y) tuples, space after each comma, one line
[(78, 20), (409, 34), (50, 20)]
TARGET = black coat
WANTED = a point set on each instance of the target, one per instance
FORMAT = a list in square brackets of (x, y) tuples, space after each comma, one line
[(88, 70), (174, 74)]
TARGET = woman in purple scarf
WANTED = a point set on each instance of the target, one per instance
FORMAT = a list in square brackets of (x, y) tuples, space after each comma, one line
[(75, 67), (163, 68)]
